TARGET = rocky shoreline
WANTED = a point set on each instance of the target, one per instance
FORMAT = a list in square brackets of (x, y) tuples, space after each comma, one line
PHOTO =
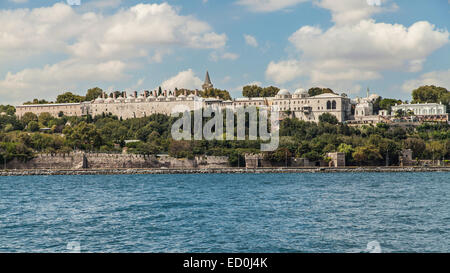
[(44, 172)]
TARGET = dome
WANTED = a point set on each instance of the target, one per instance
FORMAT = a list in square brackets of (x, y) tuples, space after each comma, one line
[(374, 97), (120, 99), (150, 98), (140, 99), (109, 100), (300, 91), (284, 92), (99, 100), (191, 96)]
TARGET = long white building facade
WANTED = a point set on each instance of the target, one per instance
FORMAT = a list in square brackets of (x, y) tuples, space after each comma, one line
[(299, 104), (421, 109)]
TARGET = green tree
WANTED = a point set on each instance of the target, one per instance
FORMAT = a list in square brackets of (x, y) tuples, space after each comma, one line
[(37, 101), (254, 91), (328, 118), (93, 93), (214, 92), (417, 145), (367, 155), (28, 116), (386, 104), (33, 126), (44, 118), (318, 91), (251, 91), (83, 136), (348, 150), (430, 94), (7, 109), (436, 150), (69, 97)]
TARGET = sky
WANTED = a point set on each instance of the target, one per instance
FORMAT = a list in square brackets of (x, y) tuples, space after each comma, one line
[(390, 46)]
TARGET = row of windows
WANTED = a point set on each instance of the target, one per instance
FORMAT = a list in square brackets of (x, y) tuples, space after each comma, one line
[(48, 108), (331, 105), (428, 111), (250, 103), (293, 102)]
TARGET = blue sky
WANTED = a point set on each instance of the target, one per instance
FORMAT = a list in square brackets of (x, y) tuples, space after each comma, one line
[(391, 46)]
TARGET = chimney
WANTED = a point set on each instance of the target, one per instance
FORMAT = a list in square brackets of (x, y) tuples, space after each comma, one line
[(114, 95), (165, 93), (154, 93), (185, 92), (196, 92), (135, 94)]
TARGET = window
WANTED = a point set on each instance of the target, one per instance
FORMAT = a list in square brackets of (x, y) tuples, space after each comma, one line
[(328, 105), (333, 105)]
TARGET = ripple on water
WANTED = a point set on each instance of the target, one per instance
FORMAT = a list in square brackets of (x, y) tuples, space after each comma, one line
[(405, 212)]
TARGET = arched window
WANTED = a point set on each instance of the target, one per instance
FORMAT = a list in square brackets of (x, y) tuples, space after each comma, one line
[(328, 105), (334, 105)]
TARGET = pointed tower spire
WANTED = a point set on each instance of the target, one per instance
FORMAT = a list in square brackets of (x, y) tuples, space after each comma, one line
[(207, 84), (207, 78)]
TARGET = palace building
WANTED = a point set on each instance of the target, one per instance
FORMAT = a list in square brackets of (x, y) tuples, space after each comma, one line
[(421, 109), (299, 105)]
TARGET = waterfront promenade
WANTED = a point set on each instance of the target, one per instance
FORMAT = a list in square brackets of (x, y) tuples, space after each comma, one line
[(220, 170)]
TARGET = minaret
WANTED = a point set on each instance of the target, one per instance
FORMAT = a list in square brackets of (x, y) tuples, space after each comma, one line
[(368, 91), (207, 84)]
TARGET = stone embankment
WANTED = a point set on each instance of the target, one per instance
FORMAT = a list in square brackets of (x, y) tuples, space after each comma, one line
[(45, 172)]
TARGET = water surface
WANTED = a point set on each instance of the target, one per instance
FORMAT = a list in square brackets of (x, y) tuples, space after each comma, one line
[(404, 212)]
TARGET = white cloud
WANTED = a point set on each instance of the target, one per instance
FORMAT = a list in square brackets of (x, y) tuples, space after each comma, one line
[(53, 79), (185, 79), (100, 5), (129, 33), (438, 78), (92, 41), (353, 11), (347, 53), (215, 56), (284, 71), (268, 5), (250, 40), (19, 1)]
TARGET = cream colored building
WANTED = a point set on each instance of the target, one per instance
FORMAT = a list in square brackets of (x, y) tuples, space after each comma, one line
[(307, 108), (141, 106), (299, 105), (68, 109), (423, 109)]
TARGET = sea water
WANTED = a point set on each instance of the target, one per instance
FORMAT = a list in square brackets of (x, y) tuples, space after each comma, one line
[(343, 212)]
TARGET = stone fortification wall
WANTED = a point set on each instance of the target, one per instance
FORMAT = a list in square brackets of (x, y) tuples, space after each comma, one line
[(76, 161), (49, 161)]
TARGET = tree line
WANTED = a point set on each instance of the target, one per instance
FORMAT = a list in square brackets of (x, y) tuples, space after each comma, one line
[(367, 145)]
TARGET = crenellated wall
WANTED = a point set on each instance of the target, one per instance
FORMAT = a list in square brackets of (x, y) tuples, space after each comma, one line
[(75, 161), (50, 161)]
